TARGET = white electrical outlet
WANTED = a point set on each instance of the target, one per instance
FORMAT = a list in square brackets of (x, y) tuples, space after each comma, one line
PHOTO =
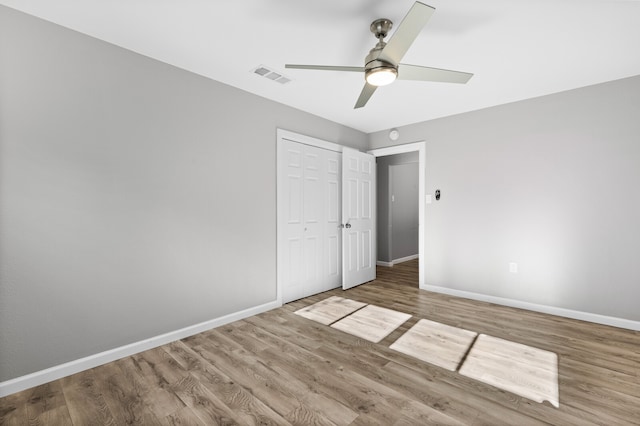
[(513, 267)]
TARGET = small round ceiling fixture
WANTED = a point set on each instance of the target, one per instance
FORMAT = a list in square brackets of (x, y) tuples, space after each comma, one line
[(394, 134)]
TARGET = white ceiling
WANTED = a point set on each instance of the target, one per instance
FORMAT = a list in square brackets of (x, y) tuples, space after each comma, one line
[(517, 49)]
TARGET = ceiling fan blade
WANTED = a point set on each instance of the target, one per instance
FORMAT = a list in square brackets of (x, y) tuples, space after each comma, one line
[(406, 33), (366, 93), (415, 72), (325, 68)]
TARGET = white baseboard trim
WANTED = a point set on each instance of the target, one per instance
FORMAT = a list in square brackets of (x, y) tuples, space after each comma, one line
[(404, 259), (546, 309), (59, 371), (396, 261)]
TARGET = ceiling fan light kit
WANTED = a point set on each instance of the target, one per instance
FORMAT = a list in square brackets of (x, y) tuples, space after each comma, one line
[(381, 76), (382, 64)]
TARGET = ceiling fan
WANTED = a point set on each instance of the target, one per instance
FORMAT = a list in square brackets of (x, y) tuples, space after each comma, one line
[(382, 64)]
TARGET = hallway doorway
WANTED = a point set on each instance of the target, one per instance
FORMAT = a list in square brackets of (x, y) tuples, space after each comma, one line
[(413, 152)]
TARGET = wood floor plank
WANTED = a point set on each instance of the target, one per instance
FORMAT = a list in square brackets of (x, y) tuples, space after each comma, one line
[(127, 401), (576, 373), (293, 398), (278, 367), (287, 389), (521, 369), (327, 380), (44, 405), (204, 403), (84, 401), (438, 393), (13, 409), (304, 342), (372, 323), (330, 309), (146, 382), (351, 357), (436, 343), (416, 413), (160, 367), (284, 395), (182, 417), (247, 408), (41, 405)]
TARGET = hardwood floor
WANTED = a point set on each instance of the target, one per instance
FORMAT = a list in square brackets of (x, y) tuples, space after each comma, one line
[(280, 368)]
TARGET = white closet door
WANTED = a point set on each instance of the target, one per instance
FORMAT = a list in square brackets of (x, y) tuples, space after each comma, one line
[(312, 219), (309, 194), (358, 215), (333, 235), (290, 204)]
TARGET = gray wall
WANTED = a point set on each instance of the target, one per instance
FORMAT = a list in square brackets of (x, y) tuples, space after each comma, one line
[(403, 180), (395, 242), (135, 198), (551, 183)]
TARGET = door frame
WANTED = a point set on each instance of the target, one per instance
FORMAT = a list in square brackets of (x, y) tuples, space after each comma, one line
[(420, 147)]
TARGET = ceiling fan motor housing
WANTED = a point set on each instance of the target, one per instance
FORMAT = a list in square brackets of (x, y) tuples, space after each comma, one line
[(372, 62), (378, 72)]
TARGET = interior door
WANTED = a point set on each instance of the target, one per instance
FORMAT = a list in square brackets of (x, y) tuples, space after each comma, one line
[(358, 218), (309, 235)]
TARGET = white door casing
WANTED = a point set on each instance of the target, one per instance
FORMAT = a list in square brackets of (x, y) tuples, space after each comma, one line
[(358, 218), (421, 148)]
